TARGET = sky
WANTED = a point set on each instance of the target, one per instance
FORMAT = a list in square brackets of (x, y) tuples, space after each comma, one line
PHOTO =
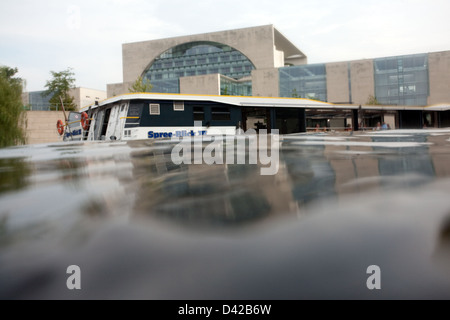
[(87, 35)]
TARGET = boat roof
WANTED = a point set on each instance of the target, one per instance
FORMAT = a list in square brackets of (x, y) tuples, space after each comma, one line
[(263, 102)]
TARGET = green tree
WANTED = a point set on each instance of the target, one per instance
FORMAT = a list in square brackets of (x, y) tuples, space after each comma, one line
[(12, 115), (141, 85), (58, 87), (372, 101), (225, 91), (295, 93)]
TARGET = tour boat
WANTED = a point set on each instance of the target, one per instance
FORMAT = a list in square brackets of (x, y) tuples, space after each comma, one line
[(153, 115)]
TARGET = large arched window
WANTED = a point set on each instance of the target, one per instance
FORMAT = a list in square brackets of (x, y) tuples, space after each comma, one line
[(196, 58)]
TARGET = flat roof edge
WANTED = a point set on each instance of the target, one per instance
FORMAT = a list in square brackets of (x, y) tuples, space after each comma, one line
[(250, 101)]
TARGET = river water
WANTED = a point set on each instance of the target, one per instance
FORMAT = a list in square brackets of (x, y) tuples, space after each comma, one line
[(139, 226)]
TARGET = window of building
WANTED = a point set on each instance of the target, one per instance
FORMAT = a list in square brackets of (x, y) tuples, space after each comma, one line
[(402, 80), (196, 58), (306, 81), (231, 87)]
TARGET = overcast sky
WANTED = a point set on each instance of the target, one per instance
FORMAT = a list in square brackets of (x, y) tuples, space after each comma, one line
[(87, 35)]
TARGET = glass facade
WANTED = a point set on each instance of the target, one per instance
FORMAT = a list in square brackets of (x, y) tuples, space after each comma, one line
[(306, 81), (39, 103), (230, 87), (402, 80), (193, 59)]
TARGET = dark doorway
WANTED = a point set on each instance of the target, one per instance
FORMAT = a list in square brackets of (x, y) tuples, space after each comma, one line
[(444, 119), (105, 122), (410, 119), (256, 118), (291, 120)]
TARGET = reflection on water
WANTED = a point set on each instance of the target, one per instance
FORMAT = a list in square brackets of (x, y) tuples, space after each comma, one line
[(338, 204), (13, 174)]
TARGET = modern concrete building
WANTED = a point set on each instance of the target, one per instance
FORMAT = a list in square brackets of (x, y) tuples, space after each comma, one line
[(260, 61), (231, 62)]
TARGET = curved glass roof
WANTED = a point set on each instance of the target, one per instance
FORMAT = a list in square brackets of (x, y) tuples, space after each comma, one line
[(196, 58)]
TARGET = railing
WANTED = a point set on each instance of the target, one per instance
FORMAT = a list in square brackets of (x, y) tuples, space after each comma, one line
[(343, 129), (328, 129)]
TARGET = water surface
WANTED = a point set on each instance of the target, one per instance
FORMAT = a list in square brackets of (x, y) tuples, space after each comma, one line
[(141, 227)]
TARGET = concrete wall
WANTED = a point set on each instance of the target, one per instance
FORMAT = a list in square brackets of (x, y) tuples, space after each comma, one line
[(362, 80), (41, 126), (257, 44), (278, 59), (205, 84), (266, 83), (85, 97), (337, 82), (439, 72), (115, 89)]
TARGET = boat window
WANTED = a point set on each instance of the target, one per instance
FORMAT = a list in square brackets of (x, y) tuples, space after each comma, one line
[(134, 115), (134, 111), (221, 114), (155, 110), (178, 106), (199, 114)]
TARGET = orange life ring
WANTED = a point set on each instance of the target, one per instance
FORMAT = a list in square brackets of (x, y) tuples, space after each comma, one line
[(60, 127), (84, 121)]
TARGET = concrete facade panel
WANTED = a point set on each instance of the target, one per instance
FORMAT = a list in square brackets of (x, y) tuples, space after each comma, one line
[(115, 89), (266, 83), (205, 84), (257, 44), (362, 81), (337, 82), (439, 77)]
